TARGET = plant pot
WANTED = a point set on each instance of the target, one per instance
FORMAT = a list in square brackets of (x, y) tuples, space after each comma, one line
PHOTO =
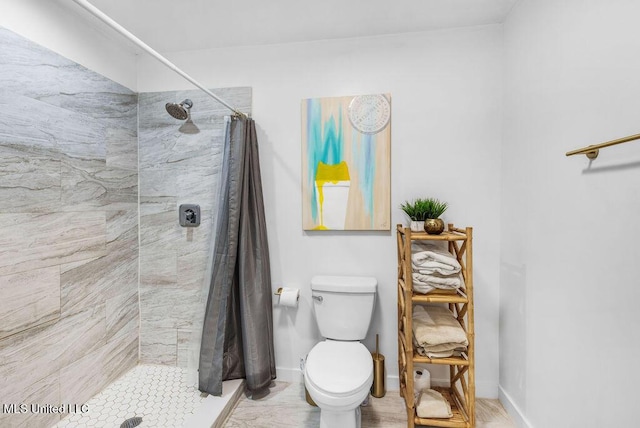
[(417, 226), (434, 226)]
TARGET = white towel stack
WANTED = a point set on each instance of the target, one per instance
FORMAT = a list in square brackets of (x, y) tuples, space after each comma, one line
[(437, 333), (434, 268), (431, 404)]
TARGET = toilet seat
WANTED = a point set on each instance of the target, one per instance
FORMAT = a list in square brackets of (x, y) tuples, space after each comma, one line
[(339, 369)]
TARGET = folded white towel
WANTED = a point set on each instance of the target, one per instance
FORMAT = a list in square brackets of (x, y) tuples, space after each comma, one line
[(426, 283), (431, 404), (456, 352), (431, 267), (431, 257), (437, 331)]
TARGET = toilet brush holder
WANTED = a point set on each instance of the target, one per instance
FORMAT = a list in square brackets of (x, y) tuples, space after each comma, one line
[(377, 389), (308, 398)]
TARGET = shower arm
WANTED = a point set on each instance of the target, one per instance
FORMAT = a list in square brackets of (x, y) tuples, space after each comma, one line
[(592, 151), (126, 33)]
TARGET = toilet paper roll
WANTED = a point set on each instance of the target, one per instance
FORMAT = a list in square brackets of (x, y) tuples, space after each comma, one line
[(421, 380), (289, 297)]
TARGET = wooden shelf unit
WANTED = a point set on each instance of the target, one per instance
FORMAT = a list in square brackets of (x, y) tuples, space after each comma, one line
[(461, 392)]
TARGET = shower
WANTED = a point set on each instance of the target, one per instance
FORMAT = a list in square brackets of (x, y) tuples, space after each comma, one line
[(179, 111)]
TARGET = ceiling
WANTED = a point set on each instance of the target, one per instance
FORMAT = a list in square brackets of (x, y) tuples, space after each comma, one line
[(179, 25)]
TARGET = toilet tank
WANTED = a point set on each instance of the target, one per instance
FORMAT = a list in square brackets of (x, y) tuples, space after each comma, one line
[(343, 305)]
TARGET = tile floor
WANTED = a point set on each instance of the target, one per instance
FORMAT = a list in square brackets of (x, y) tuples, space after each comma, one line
[(285, 407), (161, 395)]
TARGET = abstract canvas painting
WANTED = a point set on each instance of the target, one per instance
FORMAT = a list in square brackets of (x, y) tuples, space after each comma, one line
[(346, 165)]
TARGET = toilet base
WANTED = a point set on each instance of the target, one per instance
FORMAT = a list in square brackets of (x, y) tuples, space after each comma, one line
[(344, 419)]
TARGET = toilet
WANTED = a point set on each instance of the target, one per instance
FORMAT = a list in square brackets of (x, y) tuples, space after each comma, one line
[(338, 371)]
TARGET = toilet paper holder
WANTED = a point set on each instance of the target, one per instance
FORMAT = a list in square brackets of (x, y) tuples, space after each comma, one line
[(288, 297)]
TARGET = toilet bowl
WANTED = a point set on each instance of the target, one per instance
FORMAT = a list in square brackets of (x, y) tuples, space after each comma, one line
[(338, 371), (338, 376)]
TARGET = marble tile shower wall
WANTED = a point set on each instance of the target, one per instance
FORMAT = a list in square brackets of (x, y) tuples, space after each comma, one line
[(68, 230), (177, 166)]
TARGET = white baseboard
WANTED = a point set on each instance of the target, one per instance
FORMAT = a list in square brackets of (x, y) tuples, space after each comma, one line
[(289, 375), (392, 382), (512, 408), (295, 375)]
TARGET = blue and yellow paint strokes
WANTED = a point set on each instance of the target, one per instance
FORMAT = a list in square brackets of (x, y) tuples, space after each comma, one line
[(325, 146), (333, 151), (364, 158), (328, 174)]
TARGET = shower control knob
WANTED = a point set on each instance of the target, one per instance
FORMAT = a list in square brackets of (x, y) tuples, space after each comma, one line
[(189, 215)]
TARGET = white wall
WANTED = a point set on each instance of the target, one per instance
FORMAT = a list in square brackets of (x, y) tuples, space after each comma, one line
[(569, 269), (63, 27), (446, 131)]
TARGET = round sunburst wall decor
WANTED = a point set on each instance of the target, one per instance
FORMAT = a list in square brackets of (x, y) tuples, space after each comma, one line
[(369, 114)]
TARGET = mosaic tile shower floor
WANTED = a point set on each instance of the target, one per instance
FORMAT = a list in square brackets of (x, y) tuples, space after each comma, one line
[(161, 395)]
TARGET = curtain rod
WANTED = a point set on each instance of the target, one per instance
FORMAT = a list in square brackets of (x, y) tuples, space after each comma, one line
[(123, 31), (592, 151)]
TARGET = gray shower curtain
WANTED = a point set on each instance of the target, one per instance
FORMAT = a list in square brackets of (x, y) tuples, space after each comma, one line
[(237, 335)]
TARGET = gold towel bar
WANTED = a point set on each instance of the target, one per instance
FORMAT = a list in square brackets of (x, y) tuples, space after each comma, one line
[(592, 151)]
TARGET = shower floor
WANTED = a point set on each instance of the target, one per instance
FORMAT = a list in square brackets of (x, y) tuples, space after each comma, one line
[(163, 396)]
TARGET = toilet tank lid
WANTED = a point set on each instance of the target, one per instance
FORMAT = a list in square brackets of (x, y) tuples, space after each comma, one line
[(344, 284)]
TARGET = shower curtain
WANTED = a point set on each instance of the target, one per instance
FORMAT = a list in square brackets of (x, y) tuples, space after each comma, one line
[(237, 335)]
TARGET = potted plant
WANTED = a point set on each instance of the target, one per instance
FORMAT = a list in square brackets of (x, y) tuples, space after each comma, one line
[(433, 224), (425, 215), (414, 211)]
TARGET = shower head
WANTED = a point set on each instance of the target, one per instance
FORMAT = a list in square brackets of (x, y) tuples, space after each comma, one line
[(179, 111)]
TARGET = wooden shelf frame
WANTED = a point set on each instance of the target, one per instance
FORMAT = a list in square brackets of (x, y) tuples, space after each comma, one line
[(461, 392)]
